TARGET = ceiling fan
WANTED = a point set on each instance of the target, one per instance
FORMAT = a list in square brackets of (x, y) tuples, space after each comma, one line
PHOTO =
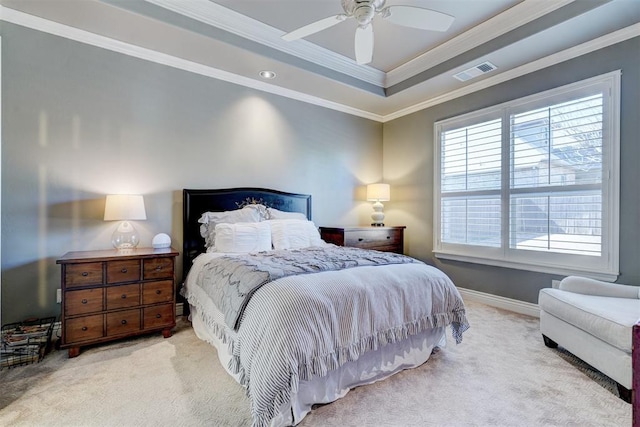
[(364, 11)]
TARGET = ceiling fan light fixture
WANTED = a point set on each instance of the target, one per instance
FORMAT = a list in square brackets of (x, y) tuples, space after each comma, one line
[(350, 6), (364, 14)]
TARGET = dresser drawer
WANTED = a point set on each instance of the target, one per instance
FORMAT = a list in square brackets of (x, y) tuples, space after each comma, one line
[(83, 328), (158, 268), (83, 301), (123, 296), (159, 315), (389, 239), (123, 271), (123, 322), (155, 292), (372, 238), (88, 273)]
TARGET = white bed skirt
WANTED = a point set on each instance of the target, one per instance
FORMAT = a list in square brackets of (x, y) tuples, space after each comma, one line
[(370, 367)]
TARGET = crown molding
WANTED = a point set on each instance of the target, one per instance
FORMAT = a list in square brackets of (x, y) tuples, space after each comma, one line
[(54, 28), (86, 37), (562, 56), (512, 18), (226, 19)]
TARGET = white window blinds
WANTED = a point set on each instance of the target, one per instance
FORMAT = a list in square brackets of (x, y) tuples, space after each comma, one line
[(470, 186), (533, 183), (556, 178)]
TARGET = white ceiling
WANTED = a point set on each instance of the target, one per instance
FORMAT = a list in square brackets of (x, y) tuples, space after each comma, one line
[(394, 45), (235, 39)]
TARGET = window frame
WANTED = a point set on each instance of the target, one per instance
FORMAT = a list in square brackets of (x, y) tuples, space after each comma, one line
[(603, 267)]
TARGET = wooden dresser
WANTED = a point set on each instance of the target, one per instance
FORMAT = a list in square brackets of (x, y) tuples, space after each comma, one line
[(388, 239), (107, 295)]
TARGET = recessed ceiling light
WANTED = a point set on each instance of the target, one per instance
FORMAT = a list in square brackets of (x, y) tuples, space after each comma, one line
[(267, 74)]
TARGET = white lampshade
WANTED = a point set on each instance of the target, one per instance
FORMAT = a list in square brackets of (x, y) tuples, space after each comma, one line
[(124, 207), (119, 207), (378, 192)]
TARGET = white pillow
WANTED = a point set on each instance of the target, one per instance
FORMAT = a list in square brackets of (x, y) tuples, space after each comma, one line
[(209, 220), (242, 237), (273, 213), (294, 234)]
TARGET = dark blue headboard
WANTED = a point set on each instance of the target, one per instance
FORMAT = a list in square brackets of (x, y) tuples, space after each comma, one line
[(196, 202)]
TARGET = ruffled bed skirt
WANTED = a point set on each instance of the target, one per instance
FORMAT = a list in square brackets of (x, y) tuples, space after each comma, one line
[(370, 367)]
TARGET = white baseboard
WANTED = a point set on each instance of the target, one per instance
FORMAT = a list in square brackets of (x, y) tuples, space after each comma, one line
[(514, 305)]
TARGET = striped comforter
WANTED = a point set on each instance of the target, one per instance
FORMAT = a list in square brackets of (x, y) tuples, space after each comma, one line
[(302, 326), (232, 280)]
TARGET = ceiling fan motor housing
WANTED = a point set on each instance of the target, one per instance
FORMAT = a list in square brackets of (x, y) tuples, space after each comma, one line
[(362, 10)]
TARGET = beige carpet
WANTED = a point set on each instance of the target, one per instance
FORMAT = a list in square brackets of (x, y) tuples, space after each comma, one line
[(501, 375)]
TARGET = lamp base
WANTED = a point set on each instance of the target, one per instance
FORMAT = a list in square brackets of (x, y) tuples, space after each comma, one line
[(125, 237), (378, 215)]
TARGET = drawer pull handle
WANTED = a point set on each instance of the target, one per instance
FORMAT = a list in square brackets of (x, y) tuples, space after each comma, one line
[(124, 322), (158, 268), (158, 316), (158, 292), (360, 239), (84, 301), (123, 296), (388, 237), (124, 270), (85, 273), (84, 328)]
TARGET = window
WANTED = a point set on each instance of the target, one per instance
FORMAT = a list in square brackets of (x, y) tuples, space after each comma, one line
[(533, 183)]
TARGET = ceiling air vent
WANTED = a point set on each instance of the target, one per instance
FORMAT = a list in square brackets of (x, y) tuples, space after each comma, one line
[(475, 71)]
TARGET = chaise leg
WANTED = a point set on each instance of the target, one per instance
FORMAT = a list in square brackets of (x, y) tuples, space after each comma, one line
[(635, 374), (549, 342), (624, 393)]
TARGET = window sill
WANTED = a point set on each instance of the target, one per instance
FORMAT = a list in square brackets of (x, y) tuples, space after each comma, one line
[(539, 268)]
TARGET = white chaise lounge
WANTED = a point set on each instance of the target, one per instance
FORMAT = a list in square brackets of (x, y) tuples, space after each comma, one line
[(594, 321)]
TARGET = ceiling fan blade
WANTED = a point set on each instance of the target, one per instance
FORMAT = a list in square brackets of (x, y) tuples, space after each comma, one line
[(417, 17), (364, 44), (314, 27)]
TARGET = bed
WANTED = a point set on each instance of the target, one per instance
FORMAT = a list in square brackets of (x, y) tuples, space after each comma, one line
[(304, 322)]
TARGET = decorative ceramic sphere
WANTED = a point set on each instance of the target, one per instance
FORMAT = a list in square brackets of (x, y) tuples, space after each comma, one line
[(161, 241)]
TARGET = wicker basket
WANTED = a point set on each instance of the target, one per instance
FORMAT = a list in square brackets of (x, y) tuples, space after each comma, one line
[(25, 342)]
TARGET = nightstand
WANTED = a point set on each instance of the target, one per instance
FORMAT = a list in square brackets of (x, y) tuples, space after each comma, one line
[(388, 239), (108, 295)]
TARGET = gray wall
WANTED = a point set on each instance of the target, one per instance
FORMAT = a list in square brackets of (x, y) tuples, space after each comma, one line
[(79, 122), (408, 167)]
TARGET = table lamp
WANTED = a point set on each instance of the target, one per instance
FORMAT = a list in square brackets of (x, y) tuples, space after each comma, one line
[(378, 193), (125, 208)]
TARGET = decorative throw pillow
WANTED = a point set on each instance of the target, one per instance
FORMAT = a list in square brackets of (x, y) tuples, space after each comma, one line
[(273, 213), (242, 237), (209, 220), (294, 234)]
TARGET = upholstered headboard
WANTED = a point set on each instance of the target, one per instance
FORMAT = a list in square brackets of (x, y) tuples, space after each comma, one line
[(196, 202)]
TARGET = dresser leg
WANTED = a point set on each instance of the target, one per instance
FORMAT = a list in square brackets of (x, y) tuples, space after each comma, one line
[(166, 333), (74, 352)]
